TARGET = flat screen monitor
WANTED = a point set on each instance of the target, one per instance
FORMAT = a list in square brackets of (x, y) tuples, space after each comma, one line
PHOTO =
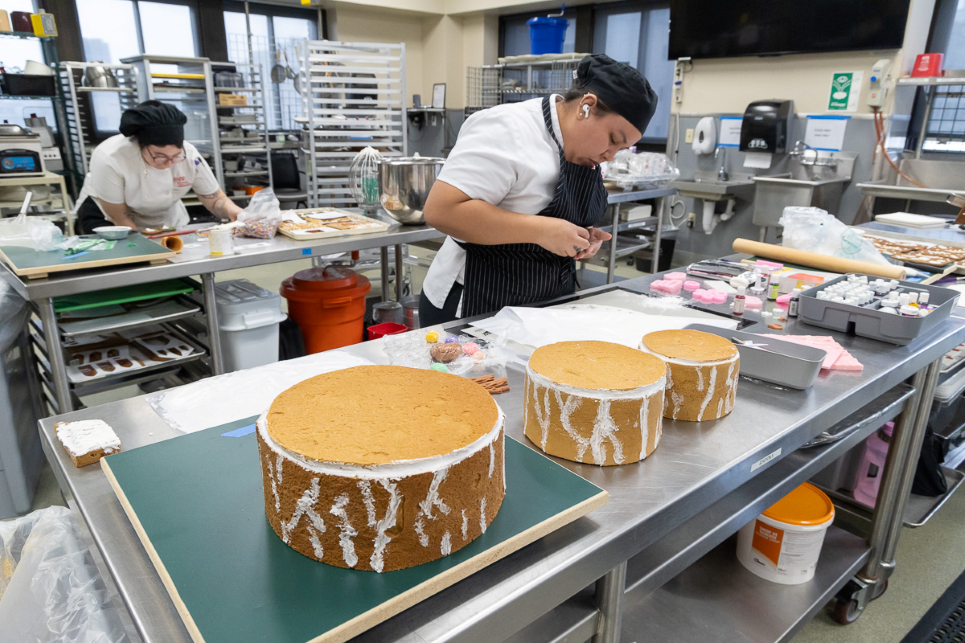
[(725, 28)]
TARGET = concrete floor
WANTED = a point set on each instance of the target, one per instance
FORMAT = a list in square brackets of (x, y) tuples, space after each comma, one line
[(929, 559)]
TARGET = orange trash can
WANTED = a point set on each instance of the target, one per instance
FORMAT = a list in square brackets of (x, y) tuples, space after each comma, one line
[(328, 304)]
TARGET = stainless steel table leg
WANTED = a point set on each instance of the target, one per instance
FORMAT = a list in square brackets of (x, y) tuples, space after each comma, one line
[(655, 252), (55, 352), (609, 599), (614, 222), (399, 269), (900, 466), (211, 314), (886, 524), (384, 257)]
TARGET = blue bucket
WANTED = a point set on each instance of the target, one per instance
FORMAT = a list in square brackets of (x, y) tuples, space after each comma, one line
[(546, 35)]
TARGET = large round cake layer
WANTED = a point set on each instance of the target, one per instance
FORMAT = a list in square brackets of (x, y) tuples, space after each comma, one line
[(703, 370), (407, 511), (594, 402), (378, 414)]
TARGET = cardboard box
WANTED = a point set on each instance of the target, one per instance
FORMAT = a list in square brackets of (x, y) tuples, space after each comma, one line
[(232, 100)]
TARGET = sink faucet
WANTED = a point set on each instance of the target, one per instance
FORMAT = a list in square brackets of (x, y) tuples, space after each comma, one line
[(721, 172)]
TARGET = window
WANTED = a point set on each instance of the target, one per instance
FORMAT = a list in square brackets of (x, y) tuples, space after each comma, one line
[(14, 54), (639, 35), (136, 27), (945, 129), (276, 33), (516, 40)]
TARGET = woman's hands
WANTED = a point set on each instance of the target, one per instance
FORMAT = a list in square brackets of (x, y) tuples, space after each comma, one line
[(220, 205), (597, 237), (563, 238)]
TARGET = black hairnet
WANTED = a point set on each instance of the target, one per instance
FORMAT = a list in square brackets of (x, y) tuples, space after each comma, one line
[(621, 88), (154, 123)]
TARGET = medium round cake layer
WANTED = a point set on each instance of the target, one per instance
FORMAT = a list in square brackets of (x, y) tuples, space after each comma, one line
[(372, 415), (600, 366), (692, 345)]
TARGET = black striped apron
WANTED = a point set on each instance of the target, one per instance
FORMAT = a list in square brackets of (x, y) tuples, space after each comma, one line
[(517, 274)]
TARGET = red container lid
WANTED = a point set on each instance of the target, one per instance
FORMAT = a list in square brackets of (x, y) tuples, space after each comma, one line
[(325, 278), (387, 328)]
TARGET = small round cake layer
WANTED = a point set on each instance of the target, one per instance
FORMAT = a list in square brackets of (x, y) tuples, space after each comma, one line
[(692, 345), (703, 370), (596, 365), (594, 402), (370, 415)]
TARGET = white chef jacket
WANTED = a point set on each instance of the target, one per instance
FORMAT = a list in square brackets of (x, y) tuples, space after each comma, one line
[(503, 156), (119, 174)]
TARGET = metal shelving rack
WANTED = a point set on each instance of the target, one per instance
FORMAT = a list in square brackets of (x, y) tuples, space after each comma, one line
[(491, 85), (253, 119), (188, 84), (79, 99), (353, 96)]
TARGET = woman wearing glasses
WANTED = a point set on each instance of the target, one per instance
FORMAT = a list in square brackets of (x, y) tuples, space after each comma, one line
[(137, 178)]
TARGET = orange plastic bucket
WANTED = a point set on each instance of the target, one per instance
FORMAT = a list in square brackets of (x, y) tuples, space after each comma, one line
[(328, 304)]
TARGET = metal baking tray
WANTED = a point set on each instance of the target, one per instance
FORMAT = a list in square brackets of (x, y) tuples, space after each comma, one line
[(783, 363), (870, 322)]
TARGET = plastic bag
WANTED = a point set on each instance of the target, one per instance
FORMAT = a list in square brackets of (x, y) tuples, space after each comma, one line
[(38, 234), (814, 230), (262, 216), (628, 169), (51, 589)]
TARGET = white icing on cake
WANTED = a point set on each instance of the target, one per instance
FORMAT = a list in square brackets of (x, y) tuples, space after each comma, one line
[(346, 532), (482, 514), (446, 546), (306, 506), (465, 525), (388, 522), (86, 436)]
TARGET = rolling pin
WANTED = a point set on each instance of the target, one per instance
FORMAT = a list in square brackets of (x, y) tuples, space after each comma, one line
[(815, 260)]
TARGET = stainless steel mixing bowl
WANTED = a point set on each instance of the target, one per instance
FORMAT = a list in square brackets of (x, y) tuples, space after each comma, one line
[(404, 185)]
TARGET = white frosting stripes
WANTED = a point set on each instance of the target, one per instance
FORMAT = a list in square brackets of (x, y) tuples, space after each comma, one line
[(306, 507), (711, 389), (388, 522), (346, 532)]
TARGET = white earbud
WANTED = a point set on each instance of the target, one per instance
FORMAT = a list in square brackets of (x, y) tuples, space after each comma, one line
[(586, 111)]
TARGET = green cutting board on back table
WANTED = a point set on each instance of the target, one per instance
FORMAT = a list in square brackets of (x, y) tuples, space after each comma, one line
[(34, 264), (197, 504)]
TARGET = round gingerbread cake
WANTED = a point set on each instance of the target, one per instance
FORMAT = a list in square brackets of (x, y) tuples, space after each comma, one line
[(381, 467), (594, 402), (704, 368)]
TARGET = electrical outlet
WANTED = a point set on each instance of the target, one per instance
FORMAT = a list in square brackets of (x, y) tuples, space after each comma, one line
[(689, 137)]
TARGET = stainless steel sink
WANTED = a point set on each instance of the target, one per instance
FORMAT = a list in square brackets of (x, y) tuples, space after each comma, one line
[(942, 178), (715, 190), (818, 183)]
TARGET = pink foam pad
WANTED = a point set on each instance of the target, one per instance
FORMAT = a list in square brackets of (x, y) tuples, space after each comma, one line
[(769, 264), (709, 297), (697, 294), (675, 276), (784, 300), (673, 287), (753, 303), (691, 286), (656, 285), (720, 297), (847, 362)]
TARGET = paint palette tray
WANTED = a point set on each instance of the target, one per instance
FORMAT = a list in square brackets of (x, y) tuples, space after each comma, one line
[(868, 321)]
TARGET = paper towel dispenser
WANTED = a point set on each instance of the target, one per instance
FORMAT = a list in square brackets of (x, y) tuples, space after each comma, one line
[(767, 126)]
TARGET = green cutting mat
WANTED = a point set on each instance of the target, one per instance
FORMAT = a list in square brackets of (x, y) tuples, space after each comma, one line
[(197, 504), (125, 294), (27, 262)]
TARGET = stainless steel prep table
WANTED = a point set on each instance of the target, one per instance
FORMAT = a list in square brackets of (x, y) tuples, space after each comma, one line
[(197, 261), (697, 489)]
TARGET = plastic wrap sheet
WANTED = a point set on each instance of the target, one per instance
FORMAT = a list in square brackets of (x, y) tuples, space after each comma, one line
[(50, 589), (235, 396), (579, 322)]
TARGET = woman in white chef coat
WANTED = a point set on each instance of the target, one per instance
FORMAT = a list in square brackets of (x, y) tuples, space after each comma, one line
[(537, 157), (137, 178)]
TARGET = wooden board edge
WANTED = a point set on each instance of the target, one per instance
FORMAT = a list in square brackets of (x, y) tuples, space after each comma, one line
[(183, 612), (43, 271), (424, 590)]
